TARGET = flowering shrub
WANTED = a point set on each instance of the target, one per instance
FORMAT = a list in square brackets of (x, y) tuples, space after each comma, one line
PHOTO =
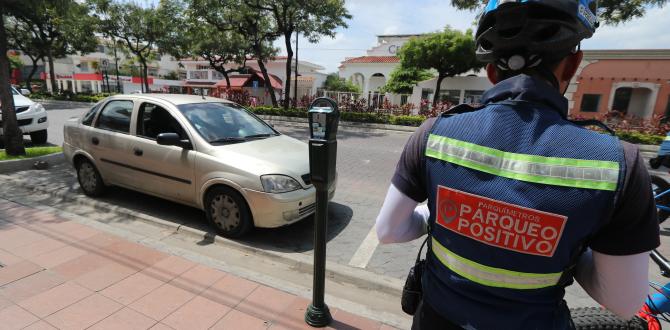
[(634, 129), (241, 97)]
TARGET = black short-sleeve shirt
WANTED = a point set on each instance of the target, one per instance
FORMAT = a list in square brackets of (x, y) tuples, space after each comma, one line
[(632, 229)]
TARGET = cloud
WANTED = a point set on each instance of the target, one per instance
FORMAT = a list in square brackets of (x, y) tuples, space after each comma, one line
[(649, 31)]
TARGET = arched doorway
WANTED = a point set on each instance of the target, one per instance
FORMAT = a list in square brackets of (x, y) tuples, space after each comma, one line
[(376, 97), (632, 101), (358, 79)]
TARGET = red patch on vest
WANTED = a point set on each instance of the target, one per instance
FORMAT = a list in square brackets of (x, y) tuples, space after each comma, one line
[(499, 224)]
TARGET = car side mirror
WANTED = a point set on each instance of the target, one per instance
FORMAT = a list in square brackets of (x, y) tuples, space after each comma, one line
[(173, 139), (25, 92)]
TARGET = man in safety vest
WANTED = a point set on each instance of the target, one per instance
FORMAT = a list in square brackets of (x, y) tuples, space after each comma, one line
[(521, 200)]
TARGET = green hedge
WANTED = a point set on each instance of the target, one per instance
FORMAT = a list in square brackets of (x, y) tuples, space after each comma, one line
[(360, 117), (640, 138)]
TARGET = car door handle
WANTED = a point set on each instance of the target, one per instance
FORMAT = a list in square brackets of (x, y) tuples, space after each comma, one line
[(95, 141), (138, 152)]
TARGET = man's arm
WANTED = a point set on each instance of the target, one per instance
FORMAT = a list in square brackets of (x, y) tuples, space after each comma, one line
[(620, 283), (615, 272), (400, 220)]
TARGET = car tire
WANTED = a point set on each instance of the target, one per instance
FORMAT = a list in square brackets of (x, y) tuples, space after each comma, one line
[(227, 210), (39, 137), (89, 179)]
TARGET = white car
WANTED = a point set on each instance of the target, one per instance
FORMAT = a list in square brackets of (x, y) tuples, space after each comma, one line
[(31, 117), (204, 152)]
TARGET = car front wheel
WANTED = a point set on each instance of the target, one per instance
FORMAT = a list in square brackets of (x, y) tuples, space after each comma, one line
[(228, 212), (89, 179), (39, 137)]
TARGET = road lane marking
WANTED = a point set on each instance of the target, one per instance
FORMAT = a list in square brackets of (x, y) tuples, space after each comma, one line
[(365, 251)]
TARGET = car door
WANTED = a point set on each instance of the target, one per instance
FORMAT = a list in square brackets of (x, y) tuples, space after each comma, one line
[(109, 141), (167, 171)]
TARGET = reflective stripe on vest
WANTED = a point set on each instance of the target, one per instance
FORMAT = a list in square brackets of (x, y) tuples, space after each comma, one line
[(491, 276), (567, 172)]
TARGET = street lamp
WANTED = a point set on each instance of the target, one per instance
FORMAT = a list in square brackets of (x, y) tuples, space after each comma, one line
[(323, 120)]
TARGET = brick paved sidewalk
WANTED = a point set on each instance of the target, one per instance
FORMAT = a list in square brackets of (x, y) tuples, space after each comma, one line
[(58, 274)]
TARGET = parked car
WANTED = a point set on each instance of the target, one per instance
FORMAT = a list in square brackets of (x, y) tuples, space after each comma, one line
[(31, 117), (204, 152)]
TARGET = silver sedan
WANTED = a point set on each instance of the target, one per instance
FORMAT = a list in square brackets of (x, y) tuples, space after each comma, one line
[(200, 151)]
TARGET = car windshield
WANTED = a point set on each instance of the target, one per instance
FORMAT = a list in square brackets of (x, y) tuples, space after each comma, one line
[(14, 91), (220, 123)]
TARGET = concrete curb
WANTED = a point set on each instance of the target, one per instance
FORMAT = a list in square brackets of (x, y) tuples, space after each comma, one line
[(648, 148), (16, 165), (303, 263)]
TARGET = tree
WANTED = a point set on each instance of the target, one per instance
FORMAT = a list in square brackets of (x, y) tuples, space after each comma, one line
[(12, 136), (255, 27), (62, 27), (225, 50), (611, 11), (311, 18), (21, 38), (139, 28), (450, 53), (403, 80), (335, 83)]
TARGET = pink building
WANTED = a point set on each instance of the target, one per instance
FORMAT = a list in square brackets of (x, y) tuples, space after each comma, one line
[(635, 82)]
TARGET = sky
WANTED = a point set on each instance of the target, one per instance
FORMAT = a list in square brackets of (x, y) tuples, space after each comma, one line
[(374, 17)]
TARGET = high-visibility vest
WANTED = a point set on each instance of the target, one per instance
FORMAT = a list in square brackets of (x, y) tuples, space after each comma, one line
[(515, 192)]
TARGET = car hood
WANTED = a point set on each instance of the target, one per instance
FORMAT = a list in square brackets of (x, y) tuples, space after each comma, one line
[(275, 155), (21, 101)]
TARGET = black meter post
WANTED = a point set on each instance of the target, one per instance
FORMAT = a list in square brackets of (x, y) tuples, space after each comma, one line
[(323, 120)]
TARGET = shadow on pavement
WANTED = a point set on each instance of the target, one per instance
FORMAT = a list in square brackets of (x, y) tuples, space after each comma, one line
[(297, 237)]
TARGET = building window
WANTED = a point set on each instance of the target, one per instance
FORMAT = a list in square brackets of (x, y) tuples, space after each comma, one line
[(202, 67), (197, 75), (216, 75), (473, 97), (452, 96), (182, 75), (100, 49), (590, 103), (403, 99)]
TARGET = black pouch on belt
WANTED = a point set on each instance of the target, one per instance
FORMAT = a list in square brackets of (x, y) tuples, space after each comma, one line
[(412, 293)]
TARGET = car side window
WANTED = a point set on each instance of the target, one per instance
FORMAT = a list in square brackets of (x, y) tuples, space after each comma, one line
[(154, 120), (90, 115), (115, 116)]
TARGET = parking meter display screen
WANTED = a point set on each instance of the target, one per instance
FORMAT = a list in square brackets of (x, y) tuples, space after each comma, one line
[(319, 126)]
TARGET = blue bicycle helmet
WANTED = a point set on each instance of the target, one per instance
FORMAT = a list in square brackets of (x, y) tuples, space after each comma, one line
[(520, 34)]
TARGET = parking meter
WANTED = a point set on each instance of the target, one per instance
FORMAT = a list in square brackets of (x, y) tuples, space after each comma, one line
[(323, 121)]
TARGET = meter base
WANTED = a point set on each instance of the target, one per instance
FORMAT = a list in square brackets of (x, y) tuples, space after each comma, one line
[(318, 317)]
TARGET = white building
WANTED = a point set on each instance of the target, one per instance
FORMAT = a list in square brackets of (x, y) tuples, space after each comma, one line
[(199, 75), (370, 73)]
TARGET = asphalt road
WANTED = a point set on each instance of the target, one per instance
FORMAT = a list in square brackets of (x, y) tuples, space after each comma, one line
[(366, 162)]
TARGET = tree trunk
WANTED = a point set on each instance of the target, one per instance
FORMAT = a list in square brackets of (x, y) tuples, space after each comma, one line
[(145, 72), (52, 73), (436, 97), (29, 79), (12, 136), (289, 61), (268, 83), (295, 81)]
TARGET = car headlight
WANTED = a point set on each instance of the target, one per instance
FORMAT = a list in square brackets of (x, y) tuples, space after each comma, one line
[(36, 107), (279, 183)]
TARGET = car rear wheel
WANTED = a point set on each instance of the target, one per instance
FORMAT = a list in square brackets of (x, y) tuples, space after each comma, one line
[(228, 212), (89, 179), (39, 137)]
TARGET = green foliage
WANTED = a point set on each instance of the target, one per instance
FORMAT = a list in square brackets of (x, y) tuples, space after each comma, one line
[(172, 75), (612, 11), (15, 62), (450, 53), (360, 117), (335, 83), (640, 137), (32, 152), (403, 80)]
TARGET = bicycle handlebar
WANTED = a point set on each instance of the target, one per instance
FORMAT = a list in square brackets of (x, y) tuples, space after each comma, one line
[(662, 262)]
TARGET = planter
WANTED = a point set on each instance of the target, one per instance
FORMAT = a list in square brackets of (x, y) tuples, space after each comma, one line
[(17, 165)]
